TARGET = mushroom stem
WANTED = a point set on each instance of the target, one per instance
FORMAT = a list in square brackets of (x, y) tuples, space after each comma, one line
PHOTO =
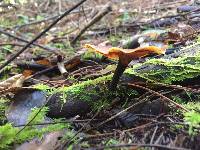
[(118, 72)]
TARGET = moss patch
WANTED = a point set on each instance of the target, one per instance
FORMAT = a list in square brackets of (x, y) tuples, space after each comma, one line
[(168, 70), (95, 92)]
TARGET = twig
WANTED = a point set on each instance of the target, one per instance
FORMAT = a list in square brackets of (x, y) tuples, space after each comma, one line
[(8, 5), (136, 146), (12, 44), (80, 130), (179, 87), (39, 35), (156, 93), (43, 20), (141, 24), (28, 124), (116, 115), (153, 136), (100, 15), (65, 121), (26, 41), (68, 65), (149, 124)]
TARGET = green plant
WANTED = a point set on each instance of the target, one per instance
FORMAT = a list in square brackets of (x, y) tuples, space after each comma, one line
[(91, 55), (8, 132), (111, 142), (176, 69), (178, 99), (193, 119), (45, 88), (39, 117), (23, 19), (114, 39), (3, 107), (16, 1)]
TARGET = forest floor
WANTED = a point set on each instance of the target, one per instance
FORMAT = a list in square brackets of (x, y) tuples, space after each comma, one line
[(59, 75)]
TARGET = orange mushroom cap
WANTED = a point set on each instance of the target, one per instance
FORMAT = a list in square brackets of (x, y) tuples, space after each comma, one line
[(126, 55)]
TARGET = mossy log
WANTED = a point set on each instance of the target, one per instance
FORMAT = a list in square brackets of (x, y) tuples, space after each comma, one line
[(90, 95), (180, 67), (87, 96)]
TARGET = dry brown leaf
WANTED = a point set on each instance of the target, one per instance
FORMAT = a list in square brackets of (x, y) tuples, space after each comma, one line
[(51, 141), (27, 72), (44, 61)]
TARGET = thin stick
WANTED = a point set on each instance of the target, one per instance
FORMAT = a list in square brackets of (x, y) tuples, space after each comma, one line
[(45, 19), (119, 113), (164, 97), (59, 122), (39, 35), (66, 143), (149, 124), (100, 15), (28, 124), (136, 146), (26, 41)]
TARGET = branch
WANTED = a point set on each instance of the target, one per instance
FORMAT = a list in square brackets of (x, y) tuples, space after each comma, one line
[(100, 15), (137, 146), (39, 35), (26, 41), (43, 20)]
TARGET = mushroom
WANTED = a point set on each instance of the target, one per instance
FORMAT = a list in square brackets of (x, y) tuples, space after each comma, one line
[(125, 56)]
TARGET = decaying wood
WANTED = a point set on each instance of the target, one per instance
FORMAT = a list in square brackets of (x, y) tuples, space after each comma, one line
[(188, 51)]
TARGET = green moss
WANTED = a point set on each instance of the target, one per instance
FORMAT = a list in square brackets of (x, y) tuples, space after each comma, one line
[(168, 71), (178, 100), (3, 107), (88, 55), (193, 119), (77, 89), (88, 91), (95, 92), (45, 88), (7, 22), (84, 91), (8, 132)]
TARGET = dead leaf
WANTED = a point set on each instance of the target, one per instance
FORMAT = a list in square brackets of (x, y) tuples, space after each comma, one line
[(51, 141)]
